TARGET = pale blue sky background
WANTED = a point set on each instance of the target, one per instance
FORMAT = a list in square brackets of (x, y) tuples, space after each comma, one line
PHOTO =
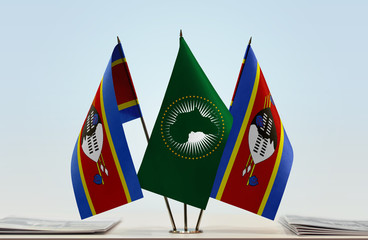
[(313, 55)]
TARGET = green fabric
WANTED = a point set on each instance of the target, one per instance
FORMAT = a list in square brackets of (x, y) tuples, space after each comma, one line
[(189, 136)]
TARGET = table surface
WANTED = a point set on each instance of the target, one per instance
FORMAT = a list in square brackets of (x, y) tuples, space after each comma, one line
[(213, 226)]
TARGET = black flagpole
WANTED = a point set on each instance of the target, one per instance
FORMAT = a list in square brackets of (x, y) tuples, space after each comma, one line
[(147, 137), (199, 220)]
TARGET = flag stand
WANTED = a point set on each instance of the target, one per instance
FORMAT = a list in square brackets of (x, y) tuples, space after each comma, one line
[(186, 230)]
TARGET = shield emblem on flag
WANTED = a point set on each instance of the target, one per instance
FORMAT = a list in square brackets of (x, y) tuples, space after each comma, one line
[(262, 136), (92, 135)]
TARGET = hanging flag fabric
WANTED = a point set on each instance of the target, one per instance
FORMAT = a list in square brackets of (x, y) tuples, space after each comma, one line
[(188, 137), (102, 170), (257, 159)]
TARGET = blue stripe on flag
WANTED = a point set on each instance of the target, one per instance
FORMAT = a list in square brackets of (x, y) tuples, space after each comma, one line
[(130, 113), (80, 196), (282, 176), (238, 110), (114, 121), (117, 53)]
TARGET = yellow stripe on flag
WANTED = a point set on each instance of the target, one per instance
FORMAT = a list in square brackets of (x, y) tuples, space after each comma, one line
[(116, 62), (116, 160), (128, 104), (270, 104), (240, 136), (251, 174), (89, 200), (250, 155), (274, 172)]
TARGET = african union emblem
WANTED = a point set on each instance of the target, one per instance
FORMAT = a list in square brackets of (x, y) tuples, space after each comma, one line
[(192, 127)]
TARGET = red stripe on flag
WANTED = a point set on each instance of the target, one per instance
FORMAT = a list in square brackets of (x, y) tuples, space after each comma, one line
[(123, 85), (237, 192), (110, 194)]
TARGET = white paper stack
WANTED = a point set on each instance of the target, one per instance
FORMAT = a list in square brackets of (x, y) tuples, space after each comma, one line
[(321, 226), (18, 225)]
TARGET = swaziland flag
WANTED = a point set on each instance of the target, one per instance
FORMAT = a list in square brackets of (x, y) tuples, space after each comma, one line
[(102, 170), (257, 159)]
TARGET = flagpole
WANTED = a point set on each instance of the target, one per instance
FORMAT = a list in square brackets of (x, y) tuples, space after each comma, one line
[(185, 205), (185, 218), (245, 57), (147, 137), (199, 220), (246, 54)]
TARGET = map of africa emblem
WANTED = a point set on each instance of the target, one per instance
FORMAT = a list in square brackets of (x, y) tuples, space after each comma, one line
[(192, 127)]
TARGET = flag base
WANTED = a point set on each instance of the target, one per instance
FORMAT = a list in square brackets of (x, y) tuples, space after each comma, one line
[(182, 231)]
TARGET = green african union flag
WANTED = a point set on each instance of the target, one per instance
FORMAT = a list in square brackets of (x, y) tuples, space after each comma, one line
[(188, 137)]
